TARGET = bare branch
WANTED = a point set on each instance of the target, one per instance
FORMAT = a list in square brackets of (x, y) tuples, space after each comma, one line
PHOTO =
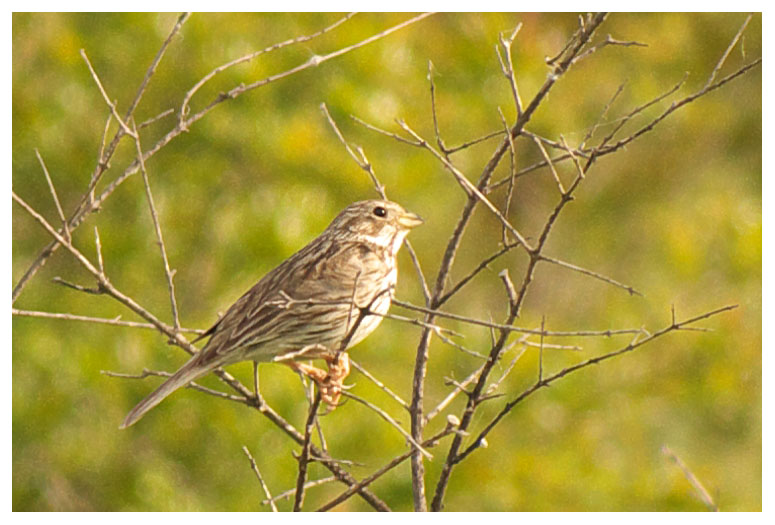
[(584, 34), (247, 58), (261, 481), (99, 320), (549, 162), (157, 228), (510, 328), (481, 266), (630, 289), (439, 140), (380, 472), (90, 204), (459, 387), (636, 343), (699, 489), (365, 165), (193, 386), (314, 61), (381, 131), (728, 50), (473, 142), (512, 179), (54, 195), (384, 415), (379, 384), (155, 63), (676, 105), (507, 66), (98, 249), (609, 41), (469, 188), (288, 493), (105, 96), (305, 453)]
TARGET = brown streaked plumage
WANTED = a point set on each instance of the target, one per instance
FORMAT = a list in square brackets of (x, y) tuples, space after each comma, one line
[(311, 301)]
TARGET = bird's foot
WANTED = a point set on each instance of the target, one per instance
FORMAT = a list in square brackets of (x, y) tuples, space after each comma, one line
[(330, 383)]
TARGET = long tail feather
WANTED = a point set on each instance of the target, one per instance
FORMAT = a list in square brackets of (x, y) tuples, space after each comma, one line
[(187, 373)]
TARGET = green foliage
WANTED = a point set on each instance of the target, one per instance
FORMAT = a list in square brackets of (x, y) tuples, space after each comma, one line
[(677, 215)]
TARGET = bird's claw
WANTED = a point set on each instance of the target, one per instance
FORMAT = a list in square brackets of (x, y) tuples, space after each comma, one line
[(330, 383)]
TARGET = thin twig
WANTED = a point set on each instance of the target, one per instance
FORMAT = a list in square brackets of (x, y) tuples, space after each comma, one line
[(541, 351), (468, 144), (261, 481), (105, 96), (507, 66), (433, 441), (384, 415), (459, 387), (584, 34), (726, 53), (379, 384), (384, 132), (563, 264), (609, 41), (366, 166), (511, 328), (512, 179), (192, 385), (54, 195), (85, 289), (184, 109), (99, 320), (146, 123), (496, 384), (439, 140), (90, 203), (473, 273), (591, 131), (155, 63), (157, 228), (699, 489), (98, 249), (549, 162), (634, 344), (469, 187), (305, 454), (288, 493)]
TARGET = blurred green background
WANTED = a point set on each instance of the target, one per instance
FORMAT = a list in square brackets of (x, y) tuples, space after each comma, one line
[(677, 215)]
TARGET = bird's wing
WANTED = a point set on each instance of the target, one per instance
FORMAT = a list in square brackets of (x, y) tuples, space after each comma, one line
[(320, 275)]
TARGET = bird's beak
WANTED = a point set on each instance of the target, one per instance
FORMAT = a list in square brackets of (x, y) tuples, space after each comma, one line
[(410, 220)]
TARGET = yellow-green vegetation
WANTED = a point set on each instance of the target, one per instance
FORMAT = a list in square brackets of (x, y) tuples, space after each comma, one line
[(676, 215)]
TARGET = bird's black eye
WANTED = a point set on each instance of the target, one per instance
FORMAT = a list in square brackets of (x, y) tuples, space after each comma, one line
[(379, 211)]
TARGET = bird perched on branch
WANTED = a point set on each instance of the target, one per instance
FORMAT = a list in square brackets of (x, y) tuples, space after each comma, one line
[(316, 304)]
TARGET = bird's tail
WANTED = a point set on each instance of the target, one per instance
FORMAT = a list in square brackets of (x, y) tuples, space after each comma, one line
[(187, 373)]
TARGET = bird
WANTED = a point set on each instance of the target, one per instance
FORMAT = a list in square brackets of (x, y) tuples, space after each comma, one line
[(319, 302)]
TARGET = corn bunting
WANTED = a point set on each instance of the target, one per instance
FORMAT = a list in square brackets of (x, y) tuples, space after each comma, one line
[(316, 304)]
